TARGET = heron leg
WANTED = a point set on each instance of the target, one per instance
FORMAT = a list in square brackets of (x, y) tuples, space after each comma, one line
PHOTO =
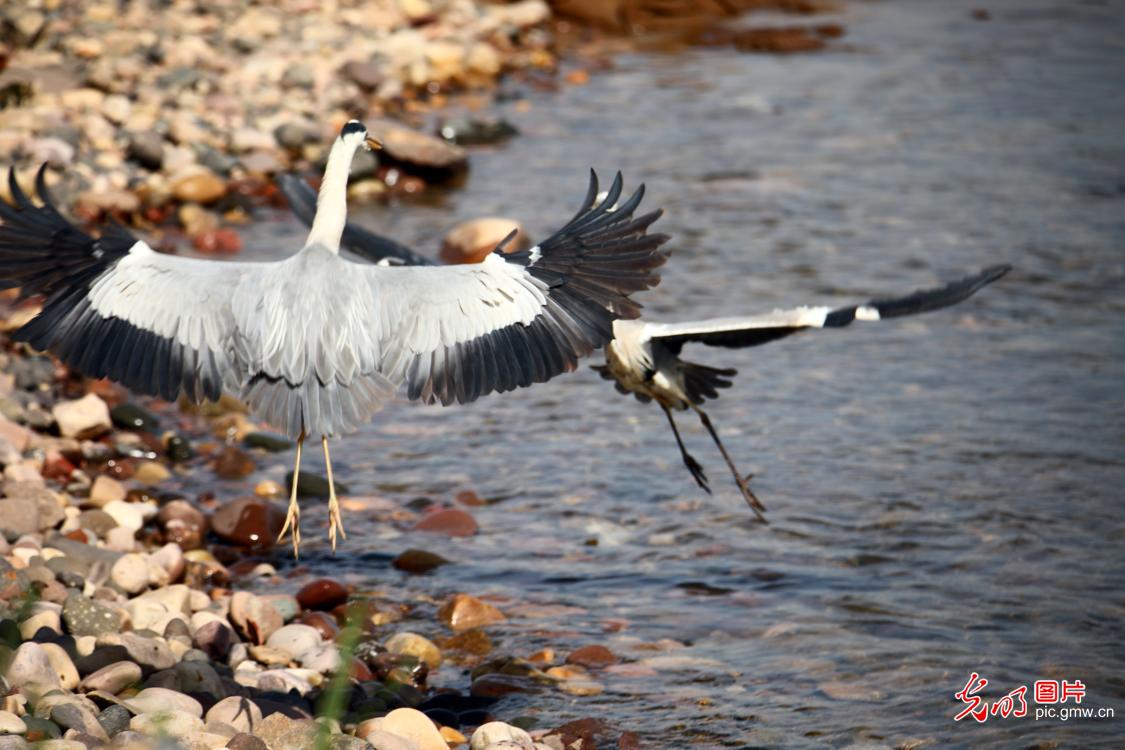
[(749, 496), (335, 520), (689, 460), (293, 517)]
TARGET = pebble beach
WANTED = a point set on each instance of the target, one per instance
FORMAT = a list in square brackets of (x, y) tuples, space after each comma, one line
[(134, 614)]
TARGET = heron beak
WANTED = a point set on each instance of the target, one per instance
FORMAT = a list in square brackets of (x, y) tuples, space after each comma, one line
[(371, 143)]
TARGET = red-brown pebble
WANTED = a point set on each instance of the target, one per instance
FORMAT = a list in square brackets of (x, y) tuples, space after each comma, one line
[(464, 612), (418, 561), (449, 521), (249, 522), (322, 594), (470, 498), (592, 656), (233, 463), (324, 623)]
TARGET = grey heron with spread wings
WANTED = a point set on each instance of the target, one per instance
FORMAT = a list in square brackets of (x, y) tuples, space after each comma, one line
[(644, 356), (317, 344)]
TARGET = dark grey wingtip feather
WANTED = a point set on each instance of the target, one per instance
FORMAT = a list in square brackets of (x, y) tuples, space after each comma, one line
[(928, 300)]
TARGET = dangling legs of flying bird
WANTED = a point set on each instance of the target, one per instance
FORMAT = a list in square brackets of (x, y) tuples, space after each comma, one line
[(293, 517), (751, 499), (689, 460), (335, 520)]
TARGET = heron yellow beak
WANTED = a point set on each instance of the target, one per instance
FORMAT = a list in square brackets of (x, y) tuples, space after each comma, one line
[(372, 143)]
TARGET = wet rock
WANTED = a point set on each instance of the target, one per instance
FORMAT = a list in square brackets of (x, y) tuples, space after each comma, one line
[(114, 719), (418, 153), (183, 524), (249, 522), (851, 690), (132, 417), (418, 561), (472, 241), (31, 666), (151, 472), (322, 594), (294, 639), (412, 725), (147, 149), (451, 522), (239, 712), (472, 131), (313, 485), (178, 448), (84, 616), (594, 656), (169, 723), (417, 646), (106, 490), (499, 685), (83, 418), (781, 39), (112, 678), (463, 612), (586, 732), (233, 463), (269, 441), (497, 733)]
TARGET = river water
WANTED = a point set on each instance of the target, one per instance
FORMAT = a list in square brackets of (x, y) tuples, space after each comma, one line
[(944, 492)]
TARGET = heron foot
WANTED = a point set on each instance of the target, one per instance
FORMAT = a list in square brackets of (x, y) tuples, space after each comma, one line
[(293, 517), (335, 517)]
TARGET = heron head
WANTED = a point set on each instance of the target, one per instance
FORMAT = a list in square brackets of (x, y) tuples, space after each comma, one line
[(357, 131)]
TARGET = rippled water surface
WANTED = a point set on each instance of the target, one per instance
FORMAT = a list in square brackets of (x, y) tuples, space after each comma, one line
[(944, 492)]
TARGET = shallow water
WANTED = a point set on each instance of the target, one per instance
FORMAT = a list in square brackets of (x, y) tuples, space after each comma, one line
[(944, 492)]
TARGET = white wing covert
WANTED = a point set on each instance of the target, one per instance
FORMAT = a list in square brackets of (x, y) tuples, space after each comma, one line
[(455, 333), (114, 307)]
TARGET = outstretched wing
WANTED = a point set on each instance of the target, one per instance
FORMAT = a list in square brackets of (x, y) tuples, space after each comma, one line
[(761, 329), (516, 318), (363, 242), (116, 308)]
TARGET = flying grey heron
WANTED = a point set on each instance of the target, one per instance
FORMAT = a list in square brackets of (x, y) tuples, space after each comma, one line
[(315, 343), (644, 357)]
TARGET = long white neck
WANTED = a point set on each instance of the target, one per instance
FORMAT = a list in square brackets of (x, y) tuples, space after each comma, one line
[(332, 202)]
